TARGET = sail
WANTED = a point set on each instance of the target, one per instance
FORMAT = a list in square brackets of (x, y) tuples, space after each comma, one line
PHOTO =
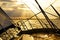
[(34, 7), (5, 21)]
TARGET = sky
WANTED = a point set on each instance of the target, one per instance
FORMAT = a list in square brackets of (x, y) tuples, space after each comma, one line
[(18, 8)]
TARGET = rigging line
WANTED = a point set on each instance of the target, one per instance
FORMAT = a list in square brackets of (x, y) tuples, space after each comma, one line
[(24, 24), (38, 12), (38, 9), (37, 19), (46, 12), (45, 8), (55, 10), (30, 23), (51, 14), (49, 21), (44, 23), (53, 24), (31, 17)]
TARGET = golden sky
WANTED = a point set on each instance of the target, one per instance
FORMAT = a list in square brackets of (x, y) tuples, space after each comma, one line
[(19, 8)]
